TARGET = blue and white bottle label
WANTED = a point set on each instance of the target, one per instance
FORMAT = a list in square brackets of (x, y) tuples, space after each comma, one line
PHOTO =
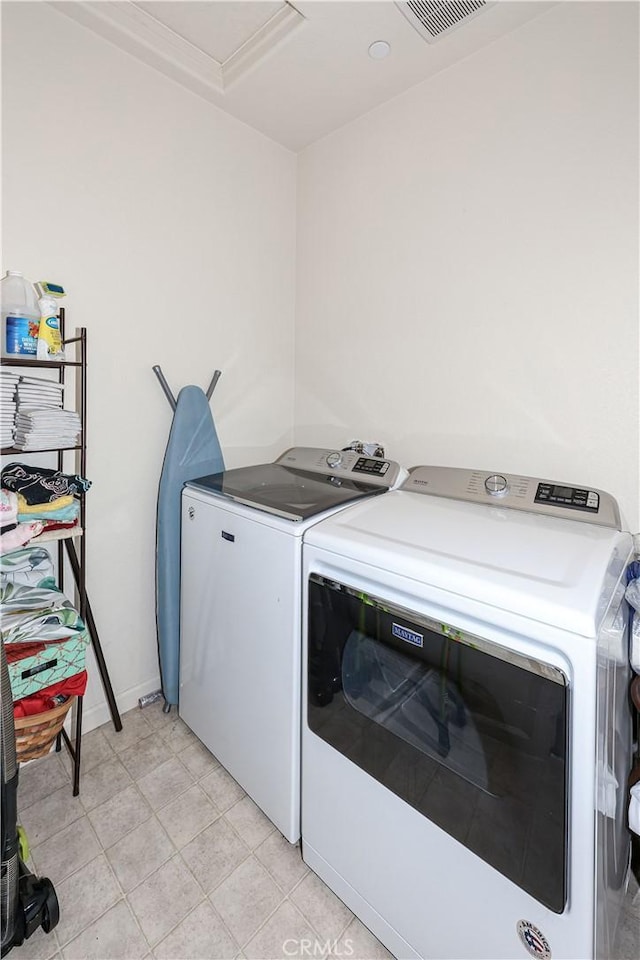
[(21, 336)]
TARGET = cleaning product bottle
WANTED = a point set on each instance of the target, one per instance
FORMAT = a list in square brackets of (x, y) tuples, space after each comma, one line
[(20, 316), (49, 336)]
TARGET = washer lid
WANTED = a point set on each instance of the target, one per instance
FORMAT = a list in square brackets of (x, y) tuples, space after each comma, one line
[(554, 571), (305, 481), (286, 491)]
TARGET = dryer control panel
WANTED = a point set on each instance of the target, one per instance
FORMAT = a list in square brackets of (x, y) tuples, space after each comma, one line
[(517, 493)]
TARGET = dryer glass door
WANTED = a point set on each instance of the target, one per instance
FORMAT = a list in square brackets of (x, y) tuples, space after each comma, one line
[(471, 734)]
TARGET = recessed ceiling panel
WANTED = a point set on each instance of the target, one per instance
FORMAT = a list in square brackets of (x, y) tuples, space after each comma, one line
[(218, 29), (293, 70)]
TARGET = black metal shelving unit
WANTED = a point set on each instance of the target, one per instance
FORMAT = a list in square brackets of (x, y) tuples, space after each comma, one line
[(77, 558)]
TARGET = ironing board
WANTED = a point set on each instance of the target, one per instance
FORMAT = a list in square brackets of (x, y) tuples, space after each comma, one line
[(193, 450)]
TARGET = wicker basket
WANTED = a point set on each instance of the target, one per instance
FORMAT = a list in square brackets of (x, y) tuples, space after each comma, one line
[(35, 734)]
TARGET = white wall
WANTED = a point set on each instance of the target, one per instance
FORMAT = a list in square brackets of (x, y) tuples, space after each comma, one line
[(172, 226), (467, 274), (468, 262)]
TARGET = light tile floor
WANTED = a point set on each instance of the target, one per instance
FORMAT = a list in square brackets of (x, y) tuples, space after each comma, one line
[(164, 856)]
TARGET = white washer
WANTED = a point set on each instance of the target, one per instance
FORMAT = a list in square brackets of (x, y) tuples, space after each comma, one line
[(466, 733), (241, 610)]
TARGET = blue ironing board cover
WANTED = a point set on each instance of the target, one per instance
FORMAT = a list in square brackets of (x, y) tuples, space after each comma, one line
[(193, 450)]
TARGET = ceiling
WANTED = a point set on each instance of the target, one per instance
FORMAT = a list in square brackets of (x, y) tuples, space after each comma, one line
[(293, 70)]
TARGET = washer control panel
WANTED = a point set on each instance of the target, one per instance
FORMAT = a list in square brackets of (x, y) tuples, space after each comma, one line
[(371, 466), (336, 464), (517, 493)]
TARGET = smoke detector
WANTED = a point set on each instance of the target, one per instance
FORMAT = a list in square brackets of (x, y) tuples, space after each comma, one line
[(434, 19)]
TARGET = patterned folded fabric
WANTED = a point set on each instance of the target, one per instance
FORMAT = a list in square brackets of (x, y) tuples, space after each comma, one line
[(39, 484), (31, 566), (36, 614)]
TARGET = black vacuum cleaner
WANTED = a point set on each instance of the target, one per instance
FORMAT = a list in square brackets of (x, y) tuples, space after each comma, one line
[(27, 902)]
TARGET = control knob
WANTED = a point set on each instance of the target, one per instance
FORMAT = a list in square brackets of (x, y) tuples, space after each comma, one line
[(496, 485), (334, 459)]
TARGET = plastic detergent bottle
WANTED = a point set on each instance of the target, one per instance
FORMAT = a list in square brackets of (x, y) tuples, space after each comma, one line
[(20, 316), (49, 337)]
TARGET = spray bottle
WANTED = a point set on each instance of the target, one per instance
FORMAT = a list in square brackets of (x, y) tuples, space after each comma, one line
[(49, 336)]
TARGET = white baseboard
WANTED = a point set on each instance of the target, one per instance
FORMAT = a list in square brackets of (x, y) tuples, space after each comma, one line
[(98, 714)]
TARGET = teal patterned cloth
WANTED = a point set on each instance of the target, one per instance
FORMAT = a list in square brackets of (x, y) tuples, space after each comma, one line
[(34, 611), (31, 566), (36, 614)]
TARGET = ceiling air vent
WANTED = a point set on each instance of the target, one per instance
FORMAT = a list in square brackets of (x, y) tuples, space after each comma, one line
[(434, 19)]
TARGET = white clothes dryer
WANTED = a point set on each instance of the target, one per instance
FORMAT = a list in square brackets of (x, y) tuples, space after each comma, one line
[(241, 613), (466, 732)]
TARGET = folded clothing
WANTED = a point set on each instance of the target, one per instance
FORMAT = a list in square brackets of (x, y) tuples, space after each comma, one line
[(44, 638), (31, 566), (52, 531), (36, 614), (50, 525), (58, 504), (63, 509), (17, 536), (46, 427), (40, 484), (8, 508), (8, 383), (44, 512)]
